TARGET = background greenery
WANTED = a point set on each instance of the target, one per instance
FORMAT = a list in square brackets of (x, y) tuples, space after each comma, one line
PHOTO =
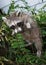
[(13, 50)]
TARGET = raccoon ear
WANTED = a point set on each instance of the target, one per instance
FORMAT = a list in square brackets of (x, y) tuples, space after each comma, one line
[(18, 13), (4, 19)]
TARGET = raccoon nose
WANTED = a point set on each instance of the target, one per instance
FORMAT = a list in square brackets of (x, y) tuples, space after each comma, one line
[(12, 27)]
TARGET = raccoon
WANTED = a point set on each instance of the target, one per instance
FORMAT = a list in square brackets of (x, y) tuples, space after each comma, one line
[(24, 23)]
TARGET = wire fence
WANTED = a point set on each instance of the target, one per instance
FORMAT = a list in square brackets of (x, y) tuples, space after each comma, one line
[(29, 6)]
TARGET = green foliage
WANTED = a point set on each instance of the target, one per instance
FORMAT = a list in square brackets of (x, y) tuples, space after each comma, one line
[(17, 53), (12, 7)]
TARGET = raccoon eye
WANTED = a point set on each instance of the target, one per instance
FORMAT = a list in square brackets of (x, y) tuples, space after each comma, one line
[(18, 14), (20, 24), (12, 27)]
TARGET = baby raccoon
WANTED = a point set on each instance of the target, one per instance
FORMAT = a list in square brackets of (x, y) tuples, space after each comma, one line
[(21, 22)]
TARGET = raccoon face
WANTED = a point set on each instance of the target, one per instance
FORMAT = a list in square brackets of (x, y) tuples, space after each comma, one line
[(17, 22), (13, 24), (10, 22)]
